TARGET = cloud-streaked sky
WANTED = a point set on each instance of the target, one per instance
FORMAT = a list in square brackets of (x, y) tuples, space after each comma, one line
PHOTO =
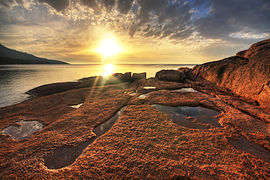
[(148, 31)]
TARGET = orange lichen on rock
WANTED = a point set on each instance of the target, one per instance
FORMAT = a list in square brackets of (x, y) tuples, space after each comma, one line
[(144, 142)]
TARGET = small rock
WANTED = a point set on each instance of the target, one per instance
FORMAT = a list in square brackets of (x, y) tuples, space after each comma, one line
[(138, 76), (120, 77), (171, 75)]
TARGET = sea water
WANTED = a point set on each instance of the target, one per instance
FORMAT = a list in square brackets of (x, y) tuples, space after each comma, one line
[(15, 80)]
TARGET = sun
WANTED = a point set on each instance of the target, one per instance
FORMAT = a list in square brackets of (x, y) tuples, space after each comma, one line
[(108, 47)]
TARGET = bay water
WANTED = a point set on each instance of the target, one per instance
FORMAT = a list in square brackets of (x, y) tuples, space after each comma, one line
[(15, 80)]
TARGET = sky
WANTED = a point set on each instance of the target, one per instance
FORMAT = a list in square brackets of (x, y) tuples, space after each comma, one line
[(147, 31)]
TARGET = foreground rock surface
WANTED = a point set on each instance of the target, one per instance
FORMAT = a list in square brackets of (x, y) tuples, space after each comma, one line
[(246, 74), (143, 142)]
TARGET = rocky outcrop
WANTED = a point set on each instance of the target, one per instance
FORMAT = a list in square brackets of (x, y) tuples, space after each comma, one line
[(115, 78), (247, 74)]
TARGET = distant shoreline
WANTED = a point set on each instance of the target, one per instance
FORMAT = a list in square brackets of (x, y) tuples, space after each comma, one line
[(113, 64)]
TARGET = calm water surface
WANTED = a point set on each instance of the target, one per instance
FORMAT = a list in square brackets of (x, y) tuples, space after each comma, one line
[(15, 80)]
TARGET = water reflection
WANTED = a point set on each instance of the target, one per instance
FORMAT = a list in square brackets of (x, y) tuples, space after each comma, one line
[(149, 87), (185, 90), (191, 117), (77, 106), (22, 129)]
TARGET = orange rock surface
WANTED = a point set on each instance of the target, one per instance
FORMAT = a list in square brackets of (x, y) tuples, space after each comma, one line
[(247, 74), (144, 142)]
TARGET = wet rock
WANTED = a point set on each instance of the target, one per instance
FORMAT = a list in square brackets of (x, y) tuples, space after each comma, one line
[(246, 74), (138, 76), (171, 75), (52, 88)]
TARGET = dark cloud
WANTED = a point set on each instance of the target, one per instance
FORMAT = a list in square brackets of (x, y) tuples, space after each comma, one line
[(226, 17), (58, 5), (10, 3), (109, 4), (124, 5), (89, 3), (6, 3), (166, 18), (132, 29)]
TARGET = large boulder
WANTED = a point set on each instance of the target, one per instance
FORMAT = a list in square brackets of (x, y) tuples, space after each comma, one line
[(247, 74), (171, 75)]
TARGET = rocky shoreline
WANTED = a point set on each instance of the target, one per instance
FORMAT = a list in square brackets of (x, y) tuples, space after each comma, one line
[(153, 136)]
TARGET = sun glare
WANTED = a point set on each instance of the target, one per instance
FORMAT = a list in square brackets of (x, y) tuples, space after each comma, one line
[(108, 70), (108, 47)]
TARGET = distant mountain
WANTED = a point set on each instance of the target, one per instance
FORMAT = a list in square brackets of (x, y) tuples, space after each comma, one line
[(10, 56)]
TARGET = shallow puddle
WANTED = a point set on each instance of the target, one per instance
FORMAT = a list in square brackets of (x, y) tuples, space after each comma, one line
[(133, 94), (185, 90), (191, 117), (143, 96), (149, 87), (22, 129), (250, 147), (66, 155), (77, 106)]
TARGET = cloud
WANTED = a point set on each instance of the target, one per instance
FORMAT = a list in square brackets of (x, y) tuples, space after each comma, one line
[(109, 4), (230, 16), (89, 3), (247, 34), (124, 5), (58, 5), (6, 3), (172, 19), (11, 3), (163, 19)]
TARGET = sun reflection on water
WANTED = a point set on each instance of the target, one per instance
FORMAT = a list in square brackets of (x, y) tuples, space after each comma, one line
[(108, 70)]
